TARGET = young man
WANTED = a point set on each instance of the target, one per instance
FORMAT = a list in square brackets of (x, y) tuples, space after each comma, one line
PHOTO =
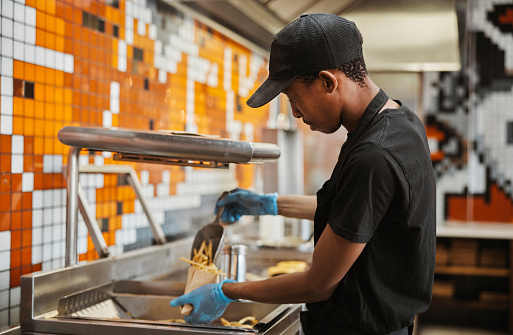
[(374, 219)]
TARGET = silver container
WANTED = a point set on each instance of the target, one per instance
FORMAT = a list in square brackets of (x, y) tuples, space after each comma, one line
[(234, 261)]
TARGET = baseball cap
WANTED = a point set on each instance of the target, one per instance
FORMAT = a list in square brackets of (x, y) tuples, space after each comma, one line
[(311, 43)]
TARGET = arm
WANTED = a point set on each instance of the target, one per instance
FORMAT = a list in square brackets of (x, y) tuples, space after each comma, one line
[(332, 258), (297, 206)]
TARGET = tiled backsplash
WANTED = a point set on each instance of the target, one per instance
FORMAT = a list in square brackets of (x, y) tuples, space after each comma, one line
[(131, 64)]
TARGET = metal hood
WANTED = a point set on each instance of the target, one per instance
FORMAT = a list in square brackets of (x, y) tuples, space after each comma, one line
[(399, 35)]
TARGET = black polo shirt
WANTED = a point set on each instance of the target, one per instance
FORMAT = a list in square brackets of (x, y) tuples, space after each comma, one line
[(381, 192)]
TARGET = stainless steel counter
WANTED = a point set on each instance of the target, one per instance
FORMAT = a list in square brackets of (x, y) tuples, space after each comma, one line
[(143, 281)]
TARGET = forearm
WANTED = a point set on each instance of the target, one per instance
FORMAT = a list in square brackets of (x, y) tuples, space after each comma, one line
[(297, 206), (283, 289)]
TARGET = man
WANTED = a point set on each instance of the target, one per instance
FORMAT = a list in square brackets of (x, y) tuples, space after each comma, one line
[(374, 219)]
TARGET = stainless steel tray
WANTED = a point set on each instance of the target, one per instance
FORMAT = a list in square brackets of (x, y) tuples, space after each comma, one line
[(147, 303)]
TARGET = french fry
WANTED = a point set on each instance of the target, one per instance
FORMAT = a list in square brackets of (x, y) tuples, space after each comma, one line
[(202, 271)]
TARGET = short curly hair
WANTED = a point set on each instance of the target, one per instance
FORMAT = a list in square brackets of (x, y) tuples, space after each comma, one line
[(356, 70)]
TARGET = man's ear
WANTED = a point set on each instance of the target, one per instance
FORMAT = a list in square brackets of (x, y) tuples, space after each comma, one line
[(329, 81)]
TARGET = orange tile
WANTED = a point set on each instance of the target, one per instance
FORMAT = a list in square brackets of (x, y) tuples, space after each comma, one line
[(17, 109), (37, 267), (16, 196), (50, 93), (17, 125), (28, 126), (60, 26), (60, 43), (16, 240), (49, 77), (59, 78), (5, 166), (31, 3), (27, 205), (50, 23), (28, 163), (26, 239), (5, 182), (59, 96), (40, 20), (38, 181), (28, 108), (16, 273), (39, 92), (39, 110), (16, 183), (5, 221), (18, 69), (29, 72), (26, 269), (5, 144), (15, 255), (50, 7)]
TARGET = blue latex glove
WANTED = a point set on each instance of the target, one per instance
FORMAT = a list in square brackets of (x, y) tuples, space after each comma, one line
[(243, 202), (209, 303)]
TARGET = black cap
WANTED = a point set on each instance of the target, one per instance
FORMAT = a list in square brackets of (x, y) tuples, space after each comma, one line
[(311, 43)]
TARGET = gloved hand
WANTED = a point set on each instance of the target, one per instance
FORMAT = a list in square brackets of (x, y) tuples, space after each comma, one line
[(243, 202), (209, 302)]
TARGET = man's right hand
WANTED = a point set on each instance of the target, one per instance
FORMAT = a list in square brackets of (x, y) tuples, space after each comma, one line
[(241, 202)]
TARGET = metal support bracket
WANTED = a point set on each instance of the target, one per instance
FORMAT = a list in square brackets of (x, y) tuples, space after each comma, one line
[(77, 201)]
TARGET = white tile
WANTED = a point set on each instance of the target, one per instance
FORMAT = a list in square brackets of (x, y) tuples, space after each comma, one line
[(59, 61), (19, 51), (114, 89), (141, 28), (7, 46), (15, 296), (7, 8), (48, 199), (27, 182), (17, 164), (68, 63), (50, 58), (4, 318), (129, 36), (14, 316), (6, 105), (107, 119), (40, 56), (19, 12), (7, 27), (30, 35), (7, 85), (37, 199), (30, 54), (122, 63), (114, 105), (17, 143), (5, 260), (37, 237), (4, 300), (7, 67), (47, 235), (47, 220), (37, 252), (5, 240), (30, 16), (5, 281), (19, 31)]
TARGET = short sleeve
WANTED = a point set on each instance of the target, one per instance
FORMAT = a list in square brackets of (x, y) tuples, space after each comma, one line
[(366, 186)]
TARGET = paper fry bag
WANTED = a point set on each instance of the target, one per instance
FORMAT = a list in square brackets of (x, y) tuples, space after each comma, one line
[(196, 278)]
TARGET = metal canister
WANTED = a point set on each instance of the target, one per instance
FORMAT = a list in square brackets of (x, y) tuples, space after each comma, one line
[(234, 261)]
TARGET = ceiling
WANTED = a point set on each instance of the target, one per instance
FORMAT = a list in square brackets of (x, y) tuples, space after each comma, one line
[(399, 35)]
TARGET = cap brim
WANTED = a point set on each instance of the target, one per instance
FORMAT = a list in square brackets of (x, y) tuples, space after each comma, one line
[(268, 91)]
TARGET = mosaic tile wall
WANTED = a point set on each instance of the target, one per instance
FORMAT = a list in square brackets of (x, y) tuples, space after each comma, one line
[(470, 119), (113, 63)]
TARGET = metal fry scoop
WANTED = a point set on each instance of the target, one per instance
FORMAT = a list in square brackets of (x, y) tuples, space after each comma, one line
[(212, 232)]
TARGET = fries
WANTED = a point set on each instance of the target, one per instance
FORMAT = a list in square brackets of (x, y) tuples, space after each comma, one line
[(202, 260), (241, 323)]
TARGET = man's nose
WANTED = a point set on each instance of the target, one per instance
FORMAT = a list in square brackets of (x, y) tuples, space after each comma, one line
[(295, 112)]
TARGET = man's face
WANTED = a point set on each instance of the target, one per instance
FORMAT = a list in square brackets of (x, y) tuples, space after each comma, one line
[(312, 103)]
